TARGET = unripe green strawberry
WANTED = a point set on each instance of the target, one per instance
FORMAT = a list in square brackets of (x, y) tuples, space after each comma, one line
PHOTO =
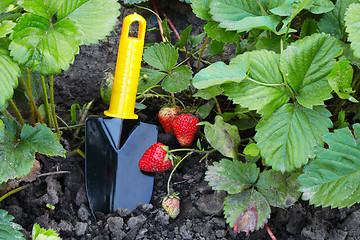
[(185, 128), (155, 159), (166, 117), (171, 204)]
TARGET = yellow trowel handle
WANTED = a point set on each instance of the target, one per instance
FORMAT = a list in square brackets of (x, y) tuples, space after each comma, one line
[(128, 64)]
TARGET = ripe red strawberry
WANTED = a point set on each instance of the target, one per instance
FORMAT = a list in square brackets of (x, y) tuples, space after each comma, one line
[(155, 159), (171, 204), (185, 128), (166, 116)]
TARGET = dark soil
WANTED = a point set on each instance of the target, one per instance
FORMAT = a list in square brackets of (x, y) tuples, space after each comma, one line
[(201, 208)]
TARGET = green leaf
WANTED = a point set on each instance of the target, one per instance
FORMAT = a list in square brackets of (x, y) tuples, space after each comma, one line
[(214, 48), (209, 93), (2, 129), (232, 176), (266, 92), (320, 6), (333, 22), (43, 8), (45, 47), (219, 73), (95, 18), (39, 233), (309, 27), (332, 177), (241, 15), (17, 156), (223, 137), (305, 66), (179, 79), (201, 9), (247, 211), (9, 229), (251, 149), (352, 19), (213, 30), (9, 73), (4, 4), (161, 56), (134, 1), (348, 54), (42, 139), (204, 110), (340, 79), (279, 189), (6, 27), (184, 36), (280, 137), (153, 78)]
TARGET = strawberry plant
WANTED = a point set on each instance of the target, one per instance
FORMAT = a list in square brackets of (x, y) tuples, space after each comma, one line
[(39, 39), (291, 82)]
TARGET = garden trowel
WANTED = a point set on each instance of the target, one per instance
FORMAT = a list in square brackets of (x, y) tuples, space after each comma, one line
[(114, 145)]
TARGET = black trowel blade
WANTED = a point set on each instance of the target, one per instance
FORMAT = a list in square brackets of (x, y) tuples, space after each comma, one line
[(113, 148)]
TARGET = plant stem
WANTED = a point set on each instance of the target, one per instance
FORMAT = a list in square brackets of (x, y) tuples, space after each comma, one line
[(52, 103), (217, 105), (29, 92), (270, 232), (13, 191), (158, 20), (83, 116), (30, 95), (17, 112), (201, 52), (172, 172), (46, 102)]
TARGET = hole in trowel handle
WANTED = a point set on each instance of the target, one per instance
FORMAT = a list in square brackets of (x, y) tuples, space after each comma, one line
[(134, 29)]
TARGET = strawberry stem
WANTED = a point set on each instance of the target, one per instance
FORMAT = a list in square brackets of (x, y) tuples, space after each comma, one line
[(270, 232), (172, 172)]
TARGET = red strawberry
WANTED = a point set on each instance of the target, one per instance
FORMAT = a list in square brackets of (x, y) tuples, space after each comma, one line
[(185, 128), (166, 116), (171, 204), (155, 159)]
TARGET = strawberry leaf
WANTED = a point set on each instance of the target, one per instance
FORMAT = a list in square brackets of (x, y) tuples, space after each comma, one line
[(213, 30), (6, 27), (17, 154), (178, 80), (9, 229), (266, 92), (134, 1), (201, 9), (43, 8), (223, 137), (333, 22), (352, 19), (332, 177), (319, 6), (305, 66), (247, 211), (43, 46), (39, 233), (161, 56), (9, 73), (95, 18), (280, 138), (340, 79), (232, 176), (219, 73), (279, 189), (153, 78)]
